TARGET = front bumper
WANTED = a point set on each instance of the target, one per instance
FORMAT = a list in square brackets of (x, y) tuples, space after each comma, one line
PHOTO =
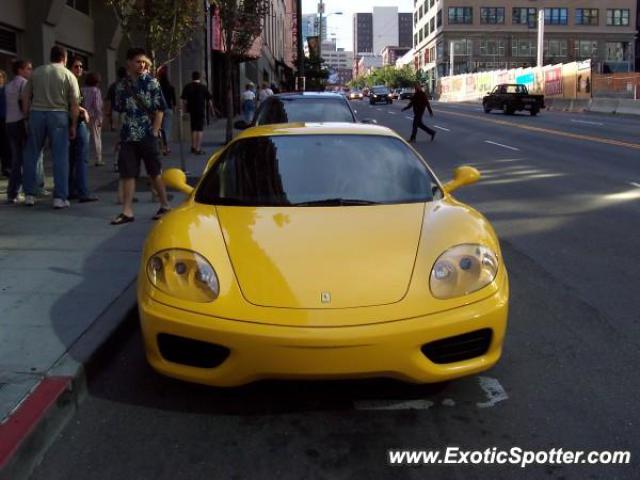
[(391, 349)]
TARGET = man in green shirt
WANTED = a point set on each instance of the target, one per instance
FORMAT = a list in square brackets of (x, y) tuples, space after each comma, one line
[(51, 100)]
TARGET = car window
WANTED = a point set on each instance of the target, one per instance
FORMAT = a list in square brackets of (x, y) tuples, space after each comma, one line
[(309, 170), (292, 109), (380, 90)]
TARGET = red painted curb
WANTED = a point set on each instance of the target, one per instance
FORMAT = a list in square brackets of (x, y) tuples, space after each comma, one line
[(22, 422)]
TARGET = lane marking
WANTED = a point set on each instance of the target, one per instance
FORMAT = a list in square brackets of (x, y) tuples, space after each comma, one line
[(408, 117), (392, 113), (393, 404), (586, 122), (575, 136), (441, 128), (501, 145), (493, 390), (635, 184)]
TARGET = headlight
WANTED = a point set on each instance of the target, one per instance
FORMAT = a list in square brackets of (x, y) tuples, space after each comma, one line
[(183, 274), (463, 269)]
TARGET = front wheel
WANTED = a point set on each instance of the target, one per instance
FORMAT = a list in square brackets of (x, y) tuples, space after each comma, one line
[(486, 108)]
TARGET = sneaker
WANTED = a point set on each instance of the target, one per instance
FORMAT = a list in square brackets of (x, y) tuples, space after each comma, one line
[(43, 192), (29, 200), (90, 198), (99, 163), (58, 203)]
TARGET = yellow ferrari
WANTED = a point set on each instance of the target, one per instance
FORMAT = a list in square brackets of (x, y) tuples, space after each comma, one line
[(314, 251)]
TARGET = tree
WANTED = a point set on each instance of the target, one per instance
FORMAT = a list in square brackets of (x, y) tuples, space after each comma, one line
[(240, 25), (165, 26)]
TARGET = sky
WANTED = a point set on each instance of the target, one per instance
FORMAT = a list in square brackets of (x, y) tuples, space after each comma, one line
[(342, 25)]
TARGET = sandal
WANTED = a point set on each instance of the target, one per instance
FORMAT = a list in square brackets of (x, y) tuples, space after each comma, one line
[(121, 219), (160, 213)]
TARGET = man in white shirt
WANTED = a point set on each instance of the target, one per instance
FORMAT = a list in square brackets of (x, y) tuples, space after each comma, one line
[(265, 92)]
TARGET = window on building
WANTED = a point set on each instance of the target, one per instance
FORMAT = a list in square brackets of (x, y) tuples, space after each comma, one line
[(587, 16), (492, 48), (415, 39), (523, 48), (81, 5), (556, 16), (421, 35), (432, 3), (555, 48), (618, 17), (426, 30), (617, 51), (420, 12), (439, 19), (584, 49), (459, 15), (525, 16), (432, 25), (492, 15), (426, 6), (462, 47)]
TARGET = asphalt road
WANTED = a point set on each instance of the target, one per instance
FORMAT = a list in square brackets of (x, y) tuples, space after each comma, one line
[(563, 192)]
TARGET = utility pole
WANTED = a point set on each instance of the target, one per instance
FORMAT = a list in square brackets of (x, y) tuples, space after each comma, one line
[(540, 37), (320, 11), (451, 58)]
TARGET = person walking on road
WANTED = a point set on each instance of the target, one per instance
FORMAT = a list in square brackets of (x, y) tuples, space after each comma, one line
[(419, 102), (16, 126), (196, 101), (139, 98), (51, 97)]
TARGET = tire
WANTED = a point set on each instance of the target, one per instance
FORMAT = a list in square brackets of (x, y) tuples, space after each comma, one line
[(486, 108)]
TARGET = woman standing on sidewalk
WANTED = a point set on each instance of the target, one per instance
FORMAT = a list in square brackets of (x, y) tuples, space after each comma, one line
[(93, 104), (169, 93)]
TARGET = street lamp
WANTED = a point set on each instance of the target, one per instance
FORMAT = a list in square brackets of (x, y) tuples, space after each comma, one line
[(321, 12)]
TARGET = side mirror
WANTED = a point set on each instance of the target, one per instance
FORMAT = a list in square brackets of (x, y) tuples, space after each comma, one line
[(176, 179), (462, 176), (241, 125), (371, 121)]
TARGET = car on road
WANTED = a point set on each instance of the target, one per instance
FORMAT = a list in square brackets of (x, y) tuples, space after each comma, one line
[(380, 94), (355, 95), (302, 107), (407, 93), (511, 98), (395, 93), (315, 251)]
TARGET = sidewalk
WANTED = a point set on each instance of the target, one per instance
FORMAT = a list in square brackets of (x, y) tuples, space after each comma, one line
[(67, 281)]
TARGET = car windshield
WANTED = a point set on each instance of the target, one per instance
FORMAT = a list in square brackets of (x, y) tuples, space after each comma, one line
[(317, 170), (297, 109), (380, 90)]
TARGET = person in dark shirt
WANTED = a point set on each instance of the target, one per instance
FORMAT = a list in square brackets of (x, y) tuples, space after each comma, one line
[(196, 100), (169, 93), (419, 102)]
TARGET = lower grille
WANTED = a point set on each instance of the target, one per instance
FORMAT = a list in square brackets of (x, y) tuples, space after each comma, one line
[(193, 353), (458, 348)]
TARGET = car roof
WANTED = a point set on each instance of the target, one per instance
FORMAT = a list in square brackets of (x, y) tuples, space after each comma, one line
[(309, 128), (329, 95)]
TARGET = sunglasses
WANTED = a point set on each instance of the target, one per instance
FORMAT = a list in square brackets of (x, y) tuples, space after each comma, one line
[(78, 66)]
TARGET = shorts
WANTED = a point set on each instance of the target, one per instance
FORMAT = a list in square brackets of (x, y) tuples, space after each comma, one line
[(147, 150), (197, 122)]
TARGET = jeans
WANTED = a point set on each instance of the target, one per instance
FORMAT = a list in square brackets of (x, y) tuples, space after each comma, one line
[(17, 133), (55, 126), (248, 110), (78, 162), (5, 149), (417, 123), (95, 128)]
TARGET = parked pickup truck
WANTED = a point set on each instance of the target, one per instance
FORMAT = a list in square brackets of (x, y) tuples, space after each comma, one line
[(512, 98)]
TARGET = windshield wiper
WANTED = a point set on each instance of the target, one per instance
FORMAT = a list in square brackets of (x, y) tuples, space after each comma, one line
[(337, 202)]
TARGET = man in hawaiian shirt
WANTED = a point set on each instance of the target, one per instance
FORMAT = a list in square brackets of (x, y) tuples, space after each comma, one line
[(139, 97)]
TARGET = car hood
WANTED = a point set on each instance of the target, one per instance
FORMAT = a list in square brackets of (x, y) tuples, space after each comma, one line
[(322, 257)]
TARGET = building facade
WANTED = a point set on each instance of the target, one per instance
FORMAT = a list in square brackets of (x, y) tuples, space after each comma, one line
[(362, 33), (405, 30), (494, 34), (310, 26), (390, 55), (385, 28)]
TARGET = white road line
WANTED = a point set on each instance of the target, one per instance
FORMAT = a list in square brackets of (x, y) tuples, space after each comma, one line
[(379, 109), (635, 184), (392, 113), (501, 145), (408, 117), (393, 404), (441, 128), (587, 122), (493, 390)]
